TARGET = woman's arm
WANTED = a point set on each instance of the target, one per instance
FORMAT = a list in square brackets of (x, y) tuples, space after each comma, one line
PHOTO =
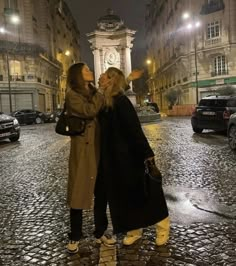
[(78, 105), (135, 74)]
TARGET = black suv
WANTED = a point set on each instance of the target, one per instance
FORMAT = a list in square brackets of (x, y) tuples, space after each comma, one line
[(213, 112), (9, 127), (28, 116)]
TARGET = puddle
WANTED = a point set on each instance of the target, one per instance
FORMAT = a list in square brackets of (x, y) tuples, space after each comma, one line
[(192, 205)]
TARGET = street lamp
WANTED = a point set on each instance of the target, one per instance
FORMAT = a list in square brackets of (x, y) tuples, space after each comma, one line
[(193, 24), (150, 81), (13, 19), (67, 53), (2, 30)]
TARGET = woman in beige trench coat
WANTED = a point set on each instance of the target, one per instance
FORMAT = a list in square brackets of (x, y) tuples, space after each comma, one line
[(84, 101)]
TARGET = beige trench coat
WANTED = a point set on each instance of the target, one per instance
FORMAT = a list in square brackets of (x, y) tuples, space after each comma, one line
[(84, 150)]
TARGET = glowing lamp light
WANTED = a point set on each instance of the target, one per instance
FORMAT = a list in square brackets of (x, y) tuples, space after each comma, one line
[(186, 15), (15, 19), (189, 26), (67, 53), (198, 24), (2, 30)]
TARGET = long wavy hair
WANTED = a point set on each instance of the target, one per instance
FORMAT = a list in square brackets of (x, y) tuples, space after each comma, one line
[(117, 84), (75, 79)]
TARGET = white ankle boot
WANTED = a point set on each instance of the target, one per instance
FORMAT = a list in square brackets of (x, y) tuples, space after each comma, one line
[(162, 231), (106, 241), (132, 236)]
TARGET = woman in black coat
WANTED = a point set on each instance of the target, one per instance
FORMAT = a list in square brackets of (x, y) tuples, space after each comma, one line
[(120, 181)]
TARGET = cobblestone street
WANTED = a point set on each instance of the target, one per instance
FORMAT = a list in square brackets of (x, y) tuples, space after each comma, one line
[(199, 182)]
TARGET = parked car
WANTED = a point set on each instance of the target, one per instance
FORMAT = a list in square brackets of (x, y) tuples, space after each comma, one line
[(154, 106), (27, 116), (232, 132), (9, 127), (213, 112), (53, 116)]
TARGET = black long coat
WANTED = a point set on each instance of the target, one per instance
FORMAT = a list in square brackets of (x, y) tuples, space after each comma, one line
[(123, 151)]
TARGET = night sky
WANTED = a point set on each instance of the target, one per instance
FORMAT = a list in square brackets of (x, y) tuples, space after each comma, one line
[(132, 12)]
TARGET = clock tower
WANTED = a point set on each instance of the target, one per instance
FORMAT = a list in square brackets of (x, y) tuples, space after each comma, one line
[(111, 44)]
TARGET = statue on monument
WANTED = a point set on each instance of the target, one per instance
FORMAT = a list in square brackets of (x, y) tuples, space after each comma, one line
[(111, 59)]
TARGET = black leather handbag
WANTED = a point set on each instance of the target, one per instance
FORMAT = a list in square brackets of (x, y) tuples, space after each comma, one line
[(152, 176), (70, 125)]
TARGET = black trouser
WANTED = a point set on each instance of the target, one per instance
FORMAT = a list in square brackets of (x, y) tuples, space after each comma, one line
[(75, 224), (100, 206)]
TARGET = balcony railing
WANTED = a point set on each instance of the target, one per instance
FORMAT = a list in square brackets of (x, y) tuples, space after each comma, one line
[(212, 42), (212, 7), (20, 48), (26, 49), (219, 73), (26, 78), (10, 11), (17, 78)]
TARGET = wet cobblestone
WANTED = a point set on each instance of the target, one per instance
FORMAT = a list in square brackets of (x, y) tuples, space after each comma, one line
[(34, 216), (192, 160)]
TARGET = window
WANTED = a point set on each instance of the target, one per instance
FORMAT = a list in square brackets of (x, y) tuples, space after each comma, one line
[(231, 103), (213, 30), (212, 6), (12, 4), (15, 69), (219, 66), (213, 102)]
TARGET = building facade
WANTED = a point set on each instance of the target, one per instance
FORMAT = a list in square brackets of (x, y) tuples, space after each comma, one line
[(191, 54), (111, 44), (35, 53)]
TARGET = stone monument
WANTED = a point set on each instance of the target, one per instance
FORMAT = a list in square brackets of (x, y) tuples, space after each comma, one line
[(111, 44)]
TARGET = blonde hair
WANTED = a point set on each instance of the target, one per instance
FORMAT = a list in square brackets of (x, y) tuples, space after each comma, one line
[(117, 84)]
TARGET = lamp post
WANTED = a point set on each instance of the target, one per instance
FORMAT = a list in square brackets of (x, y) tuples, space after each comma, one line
[(150, 80), (193, 24), (13, 18), (65, 57), (196, 69)]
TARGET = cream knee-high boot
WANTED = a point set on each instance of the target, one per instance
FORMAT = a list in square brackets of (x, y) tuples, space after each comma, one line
[(162, 231)]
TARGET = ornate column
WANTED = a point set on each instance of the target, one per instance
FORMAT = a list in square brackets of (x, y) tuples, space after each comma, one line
[(127, 61), (97, 64)]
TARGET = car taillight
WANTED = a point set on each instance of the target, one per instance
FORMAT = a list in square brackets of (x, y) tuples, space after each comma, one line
[(226, 114), (194, 111)]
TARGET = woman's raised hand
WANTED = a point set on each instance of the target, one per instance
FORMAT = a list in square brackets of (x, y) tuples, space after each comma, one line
[(135, 74)]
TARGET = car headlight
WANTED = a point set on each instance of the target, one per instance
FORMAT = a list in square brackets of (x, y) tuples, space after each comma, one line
[(15, 122)]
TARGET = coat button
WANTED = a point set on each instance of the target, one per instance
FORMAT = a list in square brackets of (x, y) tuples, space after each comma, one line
[(92, 177)]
